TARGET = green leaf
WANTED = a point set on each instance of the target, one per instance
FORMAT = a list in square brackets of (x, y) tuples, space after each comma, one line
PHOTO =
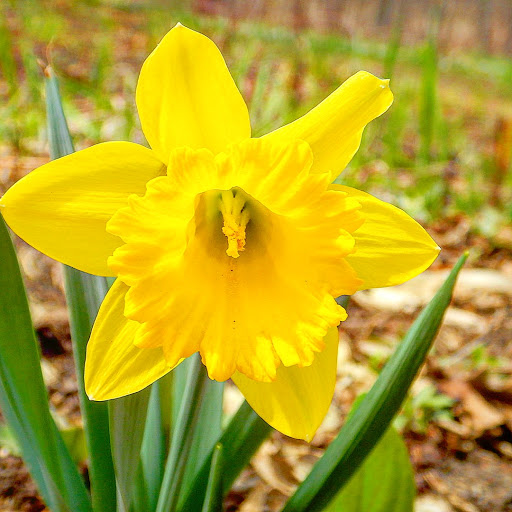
[(364, 429), (209, 422), (164, 407), (208, 430), (127, 422), (213, 498), (23, 396), (58, 132), (384, 482), (8, 441), (182, 436), (74, 439), (242, 437), (155, 441), (84, 294), (141, 495)]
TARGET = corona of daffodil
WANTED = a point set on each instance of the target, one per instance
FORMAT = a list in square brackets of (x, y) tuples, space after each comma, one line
[(222, 244)]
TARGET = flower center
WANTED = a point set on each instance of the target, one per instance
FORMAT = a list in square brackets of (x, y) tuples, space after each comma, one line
[(230, 214), (233, 256), (236, 216)]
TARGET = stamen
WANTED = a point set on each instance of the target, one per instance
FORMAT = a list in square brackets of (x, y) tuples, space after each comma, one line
[(236, 216)]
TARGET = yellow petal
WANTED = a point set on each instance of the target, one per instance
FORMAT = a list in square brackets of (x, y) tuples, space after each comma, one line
[(298, 400), (391, 247), (114, 366), (246, 276), (334, 128), (186, 96), (62, 208)]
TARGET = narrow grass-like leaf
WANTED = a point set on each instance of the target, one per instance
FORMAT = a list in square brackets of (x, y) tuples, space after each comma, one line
[(8, 64), (58, 132), (394, 44), (364, 429), (23, 396), (166, 386), (214, 496), (428, 100), (84, 294), (179, 385), (242, 437), (182, 436), (73, 438), (154, 445), (8, 441), (77, 497), (209, 422), (209, 427), (140, 495), (127, 422), (394, 489)]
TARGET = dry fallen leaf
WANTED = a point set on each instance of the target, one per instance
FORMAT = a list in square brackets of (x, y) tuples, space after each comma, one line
[(274, 469), (417, 292), (482, 415), (432, 503), (256, 499)]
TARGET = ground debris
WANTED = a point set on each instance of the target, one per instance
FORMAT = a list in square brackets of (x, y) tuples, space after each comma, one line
[(17, 491), (481, 482)]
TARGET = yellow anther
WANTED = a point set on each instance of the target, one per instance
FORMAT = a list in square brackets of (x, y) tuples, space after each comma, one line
[(236, 217), (236, 237)]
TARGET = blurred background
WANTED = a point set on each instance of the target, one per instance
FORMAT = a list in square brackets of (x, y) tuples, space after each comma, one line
[(442, 153)]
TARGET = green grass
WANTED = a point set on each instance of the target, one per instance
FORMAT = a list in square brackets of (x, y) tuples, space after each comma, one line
[(432, 153)]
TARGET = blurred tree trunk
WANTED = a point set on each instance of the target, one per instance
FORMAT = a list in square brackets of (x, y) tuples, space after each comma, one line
[(300, 21), (384, 12), (334, 12), (508, 43), (484, 25)]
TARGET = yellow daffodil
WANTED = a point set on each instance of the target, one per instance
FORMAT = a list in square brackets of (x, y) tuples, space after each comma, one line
[(222, 244)]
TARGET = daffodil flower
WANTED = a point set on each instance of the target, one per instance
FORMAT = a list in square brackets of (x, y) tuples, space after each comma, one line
[(230, 246)]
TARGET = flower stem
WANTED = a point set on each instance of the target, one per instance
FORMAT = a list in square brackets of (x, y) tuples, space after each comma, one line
[(182, 437)]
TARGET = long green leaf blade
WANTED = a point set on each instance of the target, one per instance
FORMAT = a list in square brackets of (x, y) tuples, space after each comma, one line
[(182, 436), (155, 442), (140, 495), (209, 422), (242, 437), (23, 396), (213, 499), (394, 489), (84, 294), (364, 429), (127, 422)]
